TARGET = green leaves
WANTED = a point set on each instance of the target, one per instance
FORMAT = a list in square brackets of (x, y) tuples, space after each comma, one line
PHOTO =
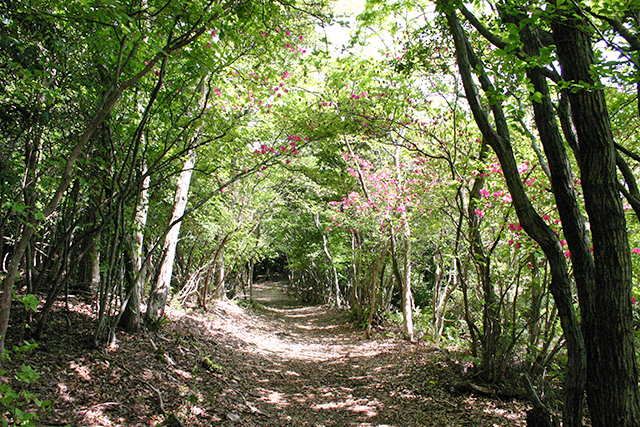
[(30, 301)]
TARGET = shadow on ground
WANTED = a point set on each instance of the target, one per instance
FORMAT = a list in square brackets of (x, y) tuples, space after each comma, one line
[(283, 365)]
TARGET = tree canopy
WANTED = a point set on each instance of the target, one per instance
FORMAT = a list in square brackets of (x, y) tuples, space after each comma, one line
[(467, 170)]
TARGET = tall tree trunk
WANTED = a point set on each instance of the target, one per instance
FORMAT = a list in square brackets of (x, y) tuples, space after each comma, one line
[(405, 277), (491, 324), (407, 295), (110, 96), (161, 289), (131, 317), (612, 386), (497, 135), (335, 286)]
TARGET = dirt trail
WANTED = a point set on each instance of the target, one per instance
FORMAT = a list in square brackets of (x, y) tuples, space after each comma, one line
[(291, 331), (315, 369), (281, 364)]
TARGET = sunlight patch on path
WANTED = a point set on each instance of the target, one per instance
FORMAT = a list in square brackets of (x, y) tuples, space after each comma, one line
[(292, 331)]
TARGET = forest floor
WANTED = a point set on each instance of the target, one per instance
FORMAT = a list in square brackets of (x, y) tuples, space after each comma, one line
[(276, 364)]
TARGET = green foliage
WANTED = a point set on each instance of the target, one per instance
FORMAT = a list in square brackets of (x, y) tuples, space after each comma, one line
[(209, 365), (30, 301), (251, 304), (16, 402)]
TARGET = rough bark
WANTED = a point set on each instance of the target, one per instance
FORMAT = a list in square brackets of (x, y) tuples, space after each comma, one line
[(612, 377), (562, 183), (497, 136)]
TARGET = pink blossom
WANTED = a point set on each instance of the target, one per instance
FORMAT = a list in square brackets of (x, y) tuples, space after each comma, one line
[(563, 242), (301, 37), (523, 168), (635, 251), (515, 227), (633, 300), (567, 254), (546, 217), (288, 32), (484, 192), (479, 212)]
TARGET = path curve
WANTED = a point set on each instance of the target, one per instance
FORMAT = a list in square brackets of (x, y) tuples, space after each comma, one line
[(310, 367), (277, 364), (290, 330)]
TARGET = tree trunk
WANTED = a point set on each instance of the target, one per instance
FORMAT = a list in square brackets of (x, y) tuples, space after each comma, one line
[(325, 247), (403, 277), (94, 263), (612, 386), (378, 267), (131, 318), (496, 133), (219, 277), (407, 296), (162, 287), (491, 324)]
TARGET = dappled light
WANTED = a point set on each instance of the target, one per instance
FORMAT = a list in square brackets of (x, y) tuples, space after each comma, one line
[(319, 213), (303, 365)]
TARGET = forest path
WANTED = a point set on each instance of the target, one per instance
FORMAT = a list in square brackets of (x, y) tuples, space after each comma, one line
[(314, 368), (293, 331), (277, 364)]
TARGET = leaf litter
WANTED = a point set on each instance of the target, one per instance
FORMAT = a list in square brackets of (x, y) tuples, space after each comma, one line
[(275, 364)]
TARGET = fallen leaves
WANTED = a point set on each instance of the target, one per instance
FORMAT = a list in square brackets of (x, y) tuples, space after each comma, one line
[(285, 365)]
